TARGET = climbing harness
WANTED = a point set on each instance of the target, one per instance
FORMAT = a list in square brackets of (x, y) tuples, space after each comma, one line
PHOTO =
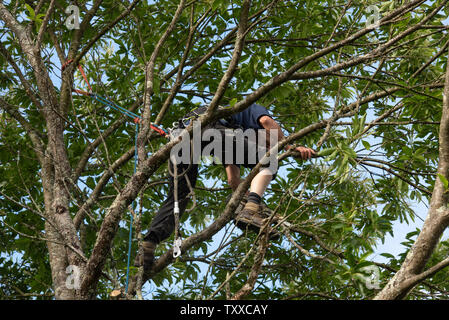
[(197, 112), (181, 124), (137, 121)]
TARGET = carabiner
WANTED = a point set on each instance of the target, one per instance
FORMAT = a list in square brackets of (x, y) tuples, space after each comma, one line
[(177, 248)]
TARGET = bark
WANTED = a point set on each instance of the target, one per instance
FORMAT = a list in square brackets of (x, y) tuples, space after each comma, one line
[(58, 263), (55, 164), (64, 244)]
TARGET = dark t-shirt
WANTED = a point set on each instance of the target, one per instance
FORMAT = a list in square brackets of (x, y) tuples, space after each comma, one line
[(249, 118)]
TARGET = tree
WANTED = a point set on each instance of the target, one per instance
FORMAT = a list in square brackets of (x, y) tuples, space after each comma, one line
[(364, 82)]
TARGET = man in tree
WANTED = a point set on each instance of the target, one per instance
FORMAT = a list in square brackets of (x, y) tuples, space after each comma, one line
[(255, 119)]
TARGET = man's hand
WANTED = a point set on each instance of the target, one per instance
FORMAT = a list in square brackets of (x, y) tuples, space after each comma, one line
[(269, 124), (304, 152)]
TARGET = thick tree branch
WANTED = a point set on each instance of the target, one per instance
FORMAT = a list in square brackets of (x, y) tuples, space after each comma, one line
[(435, 223)]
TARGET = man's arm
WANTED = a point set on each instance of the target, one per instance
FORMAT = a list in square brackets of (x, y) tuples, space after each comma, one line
[(269, 124)]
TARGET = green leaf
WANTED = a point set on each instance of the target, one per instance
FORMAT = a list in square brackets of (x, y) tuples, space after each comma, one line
[(40, 17), (345, 160), (31, 11), (366, 144), (443, 180), (332, 156), (156, 85), (326, 152), (362, 123), (364, 264), (388, 255)]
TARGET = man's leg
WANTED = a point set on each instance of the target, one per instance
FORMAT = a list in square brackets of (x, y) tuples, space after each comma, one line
[(163, 223), (261, 182), (251, 215), (258, 186), (233, 174), (257, 189)]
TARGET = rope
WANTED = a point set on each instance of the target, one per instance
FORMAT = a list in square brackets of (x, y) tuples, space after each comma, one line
[(132, 217), (178, 240), (176, 211)]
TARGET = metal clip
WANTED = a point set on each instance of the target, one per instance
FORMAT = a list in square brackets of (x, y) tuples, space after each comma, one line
[(177, 248), (174, 131)]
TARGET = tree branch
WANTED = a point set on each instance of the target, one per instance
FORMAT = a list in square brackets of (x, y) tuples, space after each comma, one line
[(239, 44), (103, 31), (149, 85), (43, 27), (35, 136)]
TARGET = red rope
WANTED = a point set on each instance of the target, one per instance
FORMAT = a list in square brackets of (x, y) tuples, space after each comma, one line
[(80, 68), (158, 130), (84, 76), (66, 64)]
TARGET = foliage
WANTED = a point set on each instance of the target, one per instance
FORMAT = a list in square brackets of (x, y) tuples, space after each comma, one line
[(349, 200)]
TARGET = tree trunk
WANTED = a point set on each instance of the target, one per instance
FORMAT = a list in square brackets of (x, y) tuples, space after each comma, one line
[(436, 222), (58, 265)]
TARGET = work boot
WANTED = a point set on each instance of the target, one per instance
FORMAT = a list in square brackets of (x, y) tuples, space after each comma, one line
[(147, 260), (250, 218)]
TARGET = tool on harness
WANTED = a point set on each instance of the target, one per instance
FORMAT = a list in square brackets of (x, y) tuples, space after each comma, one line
[(177, 248), (178, 240), (196, 113)]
